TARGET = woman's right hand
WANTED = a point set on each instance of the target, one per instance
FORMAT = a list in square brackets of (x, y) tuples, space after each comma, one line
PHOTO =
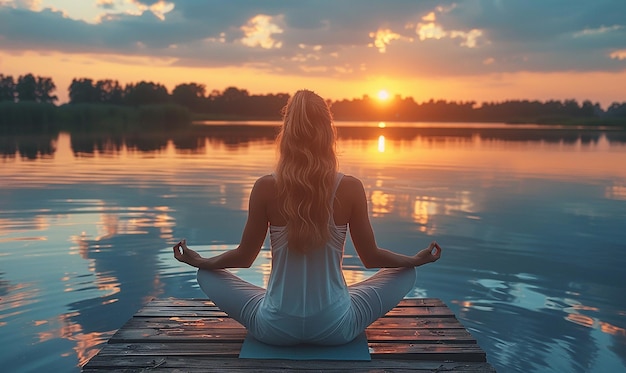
[(184, 254)]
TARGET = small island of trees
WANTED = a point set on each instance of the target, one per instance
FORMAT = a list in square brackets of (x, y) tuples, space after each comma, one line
[(28, 103)]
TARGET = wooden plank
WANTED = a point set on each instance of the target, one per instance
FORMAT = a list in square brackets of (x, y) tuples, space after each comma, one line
[(427, 311), (197, 364), (420, 302), (183, 322), (183, 335), (199, 311), (420, 336), (234, 335), (433, 351), (180, 311), (190, 307), (226, 322), (227, 349), (195, 302), (169, 302), (406, 351), (416, 323)]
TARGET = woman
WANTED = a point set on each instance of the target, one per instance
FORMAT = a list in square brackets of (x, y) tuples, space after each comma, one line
[(308, 207)]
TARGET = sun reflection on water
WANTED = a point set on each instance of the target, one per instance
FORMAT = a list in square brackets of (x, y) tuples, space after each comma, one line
[(381, 144)]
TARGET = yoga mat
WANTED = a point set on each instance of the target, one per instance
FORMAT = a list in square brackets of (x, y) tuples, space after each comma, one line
[(355, 350)]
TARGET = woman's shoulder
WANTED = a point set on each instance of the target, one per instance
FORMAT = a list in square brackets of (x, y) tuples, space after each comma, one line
[(349, 181), (350, 186), (265, 181)]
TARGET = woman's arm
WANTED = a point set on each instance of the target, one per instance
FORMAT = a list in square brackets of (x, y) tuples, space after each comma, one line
[(365, 243), (251, 241)]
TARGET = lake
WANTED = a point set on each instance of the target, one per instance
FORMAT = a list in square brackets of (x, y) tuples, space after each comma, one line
[(532, 220)]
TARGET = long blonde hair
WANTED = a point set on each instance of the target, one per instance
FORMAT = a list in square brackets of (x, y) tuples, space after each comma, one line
[(306, 170)]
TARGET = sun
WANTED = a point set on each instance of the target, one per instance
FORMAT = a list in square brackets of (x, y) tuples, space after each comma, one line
[(383, 95)]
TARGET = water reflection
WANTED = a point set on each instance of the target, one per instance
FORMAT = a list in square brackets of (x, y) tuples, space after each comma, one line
[(616, 192), (532, 223), (28, 146), (523, 311), (381, 144), (195, 140)]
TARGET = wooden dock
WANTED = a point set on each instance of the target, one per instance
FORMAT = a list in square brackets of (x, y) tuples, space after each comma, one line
[(193, 335)]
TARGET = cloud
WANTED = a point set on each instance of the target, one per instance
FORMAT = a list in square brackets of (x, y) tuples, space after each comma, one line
[(259, 31), (347, 38), (158, 7), (382, 38), (105, 4), (26, 4)]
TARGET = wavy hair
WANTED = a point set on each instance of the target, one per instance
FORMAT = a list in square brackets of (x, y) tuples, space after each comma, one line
[(306, 170)]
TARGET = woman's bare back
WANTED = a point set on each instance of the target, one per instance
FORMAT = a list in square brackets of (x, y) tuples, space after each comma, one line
[(348, 190)]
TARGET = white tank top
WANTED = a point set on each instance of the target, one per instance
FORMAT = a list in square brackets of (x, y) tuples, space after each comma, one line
[(304, 285)]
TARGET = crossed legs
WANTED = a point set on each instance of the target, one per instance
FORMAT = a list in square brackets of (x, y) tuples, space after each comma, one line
[(370, 299)]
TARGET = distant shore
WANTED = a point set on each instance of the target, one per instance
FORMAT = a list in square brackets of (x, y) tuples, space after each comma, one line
[(31, 117)]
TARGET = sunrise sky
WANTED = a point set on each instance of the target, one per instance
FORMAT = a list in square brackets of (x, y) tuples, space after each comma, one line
[(482, 50)]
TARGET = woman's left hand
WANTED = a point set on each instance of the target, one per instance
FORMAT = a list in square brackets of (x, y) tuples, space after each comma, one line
[(428, 255), (184, 254)]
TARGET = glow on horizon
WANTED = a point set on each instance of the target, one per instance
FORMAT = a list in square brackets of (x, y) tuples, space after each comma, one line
[(601, 87), (383, 95)]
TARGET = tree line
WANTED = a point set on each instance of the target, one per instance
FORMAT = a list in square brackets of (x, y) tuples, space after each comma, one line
[(27, 88), (235, 103), (231, 102), (509, 111)]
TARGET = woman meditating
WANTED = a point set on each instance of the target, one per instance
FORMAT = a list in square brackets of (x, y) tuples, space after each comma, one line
[(309, 207)]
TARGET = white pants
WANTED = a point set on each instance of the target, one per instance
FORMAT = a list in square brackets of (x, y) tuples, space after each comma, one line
[(370, 300)]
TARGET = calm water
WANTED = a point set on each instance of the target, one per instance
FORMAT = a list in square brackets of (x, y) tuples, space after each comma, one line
[(532, 222)]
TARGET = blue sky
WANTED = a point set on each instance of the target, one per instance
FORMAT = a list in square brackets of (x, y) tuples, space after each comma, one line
[(474, 49)]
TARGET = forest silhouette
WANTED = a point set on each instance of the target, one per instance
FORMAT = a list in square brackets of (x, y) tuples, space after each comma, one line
[(28, 103)]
